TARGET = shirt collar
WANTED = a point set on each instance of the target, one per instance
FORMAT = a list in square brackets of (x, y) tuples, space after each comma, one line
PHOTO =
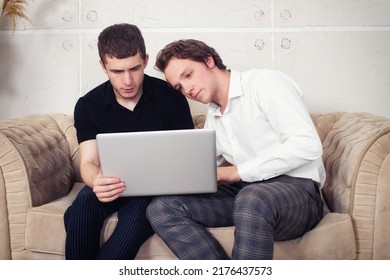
[(235, 88), (109, 98)]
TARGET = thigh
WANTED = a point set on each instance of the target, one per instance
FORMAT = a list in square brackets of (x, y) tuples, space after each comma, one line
[(87, 204), (209, 210), (133, 208), (290, 206)]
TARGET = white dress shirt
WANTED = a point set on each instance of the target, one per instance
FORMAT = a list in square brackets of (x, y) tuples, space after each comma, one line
[(266, 129)]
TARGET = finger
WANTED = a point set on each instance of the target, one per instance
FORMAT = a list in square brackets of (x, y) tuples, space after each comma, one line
[(109, 188), (103, 181)]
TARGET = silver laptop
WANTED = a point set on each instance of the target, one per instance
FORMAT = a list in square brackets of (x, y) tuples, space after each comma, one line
[(161, 162)]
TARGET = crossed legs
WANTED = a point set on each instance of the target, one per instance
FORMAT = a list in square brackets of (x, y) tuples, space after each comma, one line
[(278, 209)]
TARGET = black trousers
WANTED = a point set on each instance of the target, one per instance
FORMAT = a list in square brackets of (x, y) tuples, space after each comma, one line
[(84, 220)]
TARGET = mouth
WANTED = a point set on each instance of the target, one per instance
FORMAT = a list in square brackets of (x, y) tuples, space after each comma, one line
[(128, 90), (195, 95)]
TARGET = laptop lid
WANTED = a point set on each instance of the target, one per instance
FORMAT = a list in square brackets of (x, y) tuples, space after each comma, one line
[(160, 162)]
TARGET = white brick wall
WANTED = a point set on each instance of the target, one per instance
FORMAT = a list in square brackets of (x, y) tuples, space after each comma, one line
[(337, 50)]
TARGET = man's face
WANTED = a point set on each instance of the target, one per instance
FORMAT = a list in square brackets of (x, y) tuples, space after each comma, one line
[(193, 79), (126, 75)]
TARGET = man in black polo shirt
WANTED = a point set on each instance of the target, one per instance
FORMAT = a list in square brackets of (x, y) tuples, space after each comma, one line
[(130, 101)]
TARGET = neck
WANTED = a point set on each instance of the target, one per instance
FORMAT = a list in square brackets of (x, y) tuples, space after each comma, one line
[(129, 103), (222, 96)]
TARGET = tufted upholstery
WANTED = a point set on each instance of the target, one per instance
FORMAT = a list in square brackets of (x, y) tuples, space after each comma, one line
[(356, 155), (39, 179)]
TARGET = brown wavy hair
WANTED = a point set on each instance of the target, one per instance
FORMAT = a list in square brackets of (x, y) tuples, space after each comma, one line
[(187, 49)]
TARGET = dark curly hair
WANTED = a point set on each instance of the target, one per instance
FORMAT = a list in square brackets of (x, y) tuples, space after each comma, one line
[(121, 41)]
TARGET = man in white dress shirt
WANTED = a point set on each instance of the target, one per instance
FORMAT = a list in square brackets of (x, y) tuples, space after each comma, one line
[(268, 153)]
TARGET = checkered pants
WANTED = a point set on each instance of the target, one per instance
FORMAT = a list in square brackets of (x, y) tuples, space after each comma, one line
[(278, 209)]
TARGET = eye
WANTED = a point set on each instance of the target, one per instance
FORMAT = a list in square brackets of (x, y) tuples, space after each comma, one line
[(138, 67), (188, 75), (116, 71)]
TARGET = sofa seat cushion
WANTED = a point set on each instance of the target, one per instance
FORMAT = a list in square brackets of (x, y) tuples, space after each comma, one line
[(45, 230), (45, 235), (332, 239)]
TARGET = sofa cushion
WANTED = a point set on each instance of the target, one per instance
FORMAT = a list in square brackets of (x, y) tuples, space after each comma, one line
[(46, 235), (334, 231), (332, 239), (45, 230)]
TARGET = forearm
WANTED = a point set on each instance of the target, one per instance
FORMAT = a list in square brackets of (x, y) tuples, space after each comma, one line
[(89, 172), (280, 160)]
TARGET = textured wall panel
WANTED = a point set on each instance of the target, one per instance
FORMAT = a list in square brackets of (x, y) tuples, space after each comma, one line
[(338, 70), (48, 14), (41, 74), (174, 14), (330, 13)]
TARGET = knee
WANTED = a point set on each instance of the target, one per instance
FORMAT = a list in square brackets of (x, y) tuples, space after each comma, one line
[(252, 200), (153, 209), (248, 196), (85, 200), (85, 196), (162, 208), (156, 208)]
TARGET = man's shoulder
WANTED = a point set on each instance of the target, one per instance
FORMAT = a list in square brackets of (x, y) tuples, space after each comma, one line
[(97, 92), (161, 88), (157, 83), (92, 100), (264, 76)]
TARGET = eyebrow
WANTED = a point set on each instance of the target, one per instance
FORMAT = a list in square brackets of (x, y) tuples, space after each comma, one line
[(184, 72), (131, 68)]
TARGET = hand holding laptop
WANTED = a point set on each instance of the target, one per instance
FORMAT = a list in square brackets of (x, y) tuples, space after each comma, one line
[(107, 188)]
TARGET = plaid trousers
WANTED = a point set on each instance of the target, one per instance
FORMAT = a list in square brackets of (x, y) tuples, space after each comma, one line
[(281, 208)]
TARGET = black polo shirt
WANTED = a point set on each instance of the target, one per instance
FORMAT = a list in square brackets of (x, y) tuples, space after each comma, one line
[(160, 108)]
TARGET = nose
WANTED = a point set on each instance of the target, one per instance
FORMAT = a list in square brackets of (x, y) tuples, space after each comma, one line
[(187, 89), (127, 78)]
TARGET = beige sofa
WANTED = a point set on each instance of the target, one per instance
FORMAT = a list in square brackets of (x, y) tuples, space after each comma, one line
[(39, 178)]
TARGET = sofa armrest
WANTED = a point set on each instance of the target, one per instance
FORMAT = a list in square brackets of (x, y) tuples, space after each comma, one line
[(14, 198), (199, 120), (35, 168), (357, 161), (45, 153)]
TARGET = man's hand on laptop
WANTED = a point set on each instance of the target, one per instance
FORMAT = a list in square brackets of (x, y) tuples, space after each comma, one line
[(107, 189)]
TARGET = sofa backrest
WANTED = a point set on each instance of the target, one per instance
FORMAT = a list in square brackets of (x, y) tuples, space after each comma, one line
[(349, 141), (66, 125)]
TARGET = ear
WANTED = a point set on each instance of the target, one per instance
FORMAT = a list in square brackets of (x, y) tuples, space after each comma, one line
[(146, 60), (103, 66), (210, 62)]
